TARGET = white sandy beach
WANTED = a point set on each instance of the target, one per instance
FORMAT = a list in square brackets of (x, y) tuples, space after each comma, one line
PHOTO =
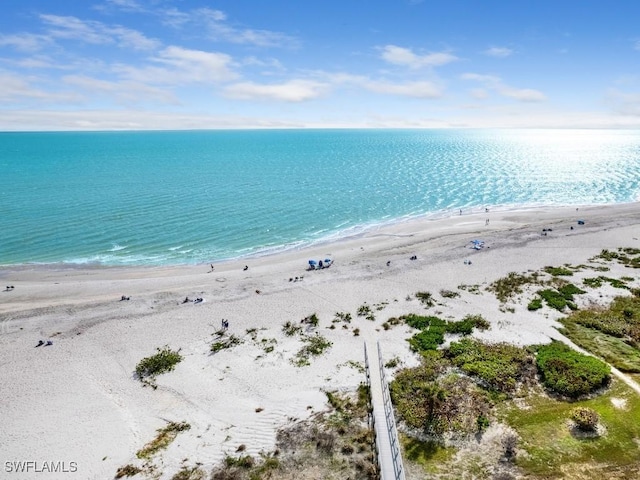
[(78, 400)]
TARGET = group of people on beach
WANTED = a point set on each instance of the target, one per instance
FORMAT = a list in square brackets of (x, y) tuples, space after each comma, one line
[(46, 344), (225, 324), (9, 287)]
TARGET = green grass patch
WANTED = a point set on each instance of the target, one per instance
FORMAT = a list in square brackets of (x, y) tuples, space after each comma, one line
[(613, 350), (553, 452), (428, 454), (314, 346), (163, 361), (558, 271)]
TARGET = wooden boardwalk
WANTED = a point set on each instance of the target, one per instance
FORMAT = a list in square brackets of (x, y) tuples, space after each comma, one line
[(387, 443)]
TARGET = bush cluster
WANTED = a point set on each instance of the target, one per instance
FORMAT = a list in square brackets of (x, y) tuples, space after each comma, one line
[(570, 373), (499, 366), (586, 419)]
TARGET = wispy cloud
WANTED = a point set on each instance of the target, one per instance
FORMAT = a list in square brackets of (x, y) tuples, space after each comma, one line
[(291, 91), (410, 89), (407, 58), (500, 52), (19, 89), (123, 92), (624, 103), (181, 66), (215, 25), (25, 42), (91, 31), (496, 84)]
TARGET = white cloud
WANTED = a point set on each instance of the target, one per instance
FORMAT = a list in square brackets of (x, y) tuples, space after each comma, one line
[(122, 92), (405, 57), (291, 91), (500, 52), (624, 103), (411, 89), (90, 31), (215, 25), (182, 66), (496, 84), (16, 89), (25, 42)]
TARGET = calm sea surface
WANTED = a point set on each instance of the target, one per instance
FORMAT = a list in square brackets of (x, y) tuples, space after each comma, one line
[(159, 198)]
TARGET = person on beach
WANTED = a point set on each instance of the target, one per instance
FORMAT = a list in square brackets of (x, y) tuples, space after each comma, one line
[(246, 267)]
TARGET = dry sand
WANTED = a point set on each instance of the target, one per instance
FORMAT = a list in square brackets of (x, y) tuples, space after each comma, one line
[(78, 400)]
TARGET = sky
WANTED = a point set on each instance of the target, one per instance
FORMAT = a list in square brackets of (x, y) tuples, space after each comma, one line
[(201, 64)]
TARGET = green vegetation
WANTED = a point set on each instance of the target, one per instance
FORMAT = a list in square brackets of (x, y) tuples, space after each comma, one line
[(432, 329), (508, 287), (586, 419), (164, 438), (559, 298), (475, 289), (315, 345), (426, 298), (570, 373), (290, 329), (342, 317), (163, 361), (189, 473), (558, 271), (612, 334), (225, 343), (501, 366), (596, 282), (365, 311), (629, 257), (127, 471), (535, 304), (554, 452), (449, 294)]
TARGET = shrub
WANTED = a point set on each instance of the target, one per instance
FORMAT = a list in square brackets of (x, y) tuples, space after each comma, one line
[(426, 298), (500, 366), (558, 271), (127, 471), (449, 294), (586, 418), (290, 328), (224, 344), (478, 321), (508, 287), (163, 361), (315, 346), (535, 304), (570, 373), (165, 436)]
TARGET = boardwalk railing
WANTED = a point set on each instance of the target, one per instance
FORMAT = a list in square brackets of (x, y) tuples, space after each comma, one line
[(371, 416), (382, 422), (396, 456)]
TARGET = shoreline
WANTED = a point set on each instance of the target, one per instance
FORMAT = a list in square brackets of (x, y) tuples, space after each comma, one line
[(360, 231), (60, 399)]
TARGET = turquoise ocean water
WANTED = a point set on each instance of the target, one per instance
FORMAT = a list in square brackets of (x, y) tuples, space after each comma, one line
[(162, 198)]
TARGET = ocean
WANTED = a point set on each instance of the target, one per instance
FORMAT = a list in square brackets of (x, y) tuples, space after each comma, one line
[(190, 197)]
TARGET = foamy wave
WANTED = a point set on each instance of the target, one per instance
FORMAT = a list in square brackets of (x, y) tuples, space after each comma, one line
[(117, 248)]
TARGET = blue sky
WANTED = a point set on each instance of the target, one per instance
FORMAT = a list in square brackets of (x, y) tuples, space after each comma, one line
[(183, 64)]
